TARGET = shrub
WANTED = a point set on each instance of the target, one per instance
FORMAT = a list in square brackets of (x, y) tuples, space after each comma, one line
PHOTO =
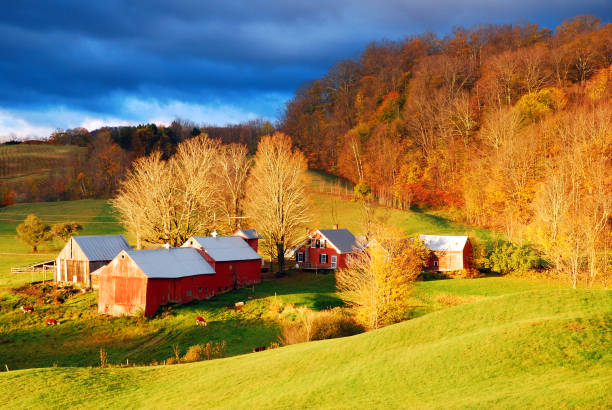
[(508, 258), (311, 325), (171, 360), (208, 351)]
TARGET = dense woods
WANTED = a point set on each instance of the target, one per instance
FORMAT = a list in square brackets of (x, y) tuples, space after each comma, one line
[(508, 126)]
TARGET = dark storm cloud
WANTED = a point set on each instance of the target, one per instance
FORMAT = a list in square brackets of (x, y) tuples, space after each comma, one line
[(92, 57)]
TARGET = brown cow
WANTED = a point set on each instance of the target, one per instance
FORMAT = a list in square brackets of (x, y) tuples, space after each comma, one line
[(27, 309), (51, 322), (200, 321)]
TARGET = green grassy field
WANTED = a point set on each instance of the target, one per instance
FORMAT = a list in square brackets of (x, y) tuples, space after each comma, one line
[(34, 161), (542, 347)]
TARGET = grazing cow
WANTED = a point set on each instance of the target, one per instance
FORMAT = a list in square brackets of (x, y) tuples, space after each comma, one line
[(27, 309), (200, 321), (259, 349), (51, 322)]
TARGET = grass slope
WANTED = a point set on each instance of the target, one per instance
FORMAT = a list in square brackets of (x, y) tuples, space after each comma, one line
[(541, 348)]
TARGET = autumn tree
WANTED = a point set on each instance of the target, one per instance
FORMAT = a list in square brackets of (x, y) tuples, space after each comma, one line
[(33, 231), (276, 201), (377, 281), (234, 168), (64, 230), (167, 201)]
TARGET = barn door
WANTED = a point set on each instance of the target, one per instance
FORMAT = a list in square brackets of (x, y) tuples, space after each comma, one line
[(334, 261)]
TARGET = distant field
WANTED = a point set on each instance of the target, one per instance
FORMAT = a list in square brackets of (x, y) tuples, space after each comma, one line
[(34, 161), (531, 346)]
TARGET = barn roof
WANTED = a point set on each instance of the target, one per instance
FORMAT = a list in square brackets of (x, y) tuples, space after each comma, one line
[(444, 243), (102, 247), (342, 239), (248, 233), (225, 248), (171, 263)]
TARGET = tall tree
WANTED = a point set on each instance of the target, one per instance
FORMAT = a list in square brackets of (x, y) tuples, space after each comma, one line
[(276, 200), (234, 168)]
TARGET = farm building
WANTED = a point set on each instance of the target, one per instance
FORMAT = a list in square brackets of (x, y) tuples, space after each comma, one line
[(83, 255), (143, 280), (326, 249), (251, 236), (448, 253), (235, 263)]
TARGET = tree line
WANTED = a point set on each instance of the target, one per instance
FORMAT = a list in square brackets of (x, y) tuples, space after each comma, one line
[(507, 127)]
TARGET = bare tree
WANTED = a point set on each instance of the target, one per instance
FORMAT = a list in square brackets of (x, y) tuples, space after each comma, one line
[(276, 199), (169, 201), (234, 170)]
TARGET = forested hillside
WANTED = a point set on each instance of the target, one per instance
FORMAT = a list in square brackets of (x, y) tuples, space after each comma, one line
[(510, 125)]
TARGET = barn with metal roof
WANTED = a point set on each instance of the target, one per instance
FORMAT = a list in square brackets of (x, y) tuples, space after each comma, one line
[(235, 262), (83, 255), (143, 280), (448, 253), (251, 236)]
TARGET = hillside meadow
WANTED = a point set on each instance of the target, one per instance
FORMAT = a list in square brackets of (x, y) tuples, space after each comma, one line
[(542, 347)]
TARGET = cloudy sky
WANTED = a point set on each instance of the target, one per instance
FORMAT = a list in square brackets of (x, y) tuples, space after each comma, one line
[(70, 63)]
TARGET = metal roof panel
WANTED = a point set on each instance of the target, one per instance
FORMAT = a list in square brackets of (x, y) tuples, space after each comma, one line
[(102, 247), (224, 248), (171, 263)]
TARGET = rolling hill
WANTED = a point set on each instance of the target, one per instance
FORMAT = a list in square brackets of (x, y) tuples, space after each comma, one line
[(542, 348)]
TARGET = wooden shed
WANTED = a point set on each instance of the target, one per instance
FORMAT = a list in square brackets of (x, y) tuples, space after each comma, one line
[(448, 253), (236, 264), (141, 281), (83, 255)]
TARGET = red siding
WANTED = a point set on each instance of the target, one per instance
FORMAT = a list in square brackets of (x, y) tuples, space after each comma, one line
[(311, 255), (125, 289)]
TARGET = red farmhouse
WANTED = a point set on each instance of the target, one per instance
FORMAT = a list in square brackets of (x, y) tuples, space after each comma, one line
[(249, 235), (141, 281), (326, 249), (234, 261), (448, 253)]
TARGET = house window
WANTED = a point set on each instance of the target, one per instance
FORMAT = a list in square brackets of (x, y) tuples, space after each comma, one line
[(300, 257), (323, 258), (322, 243), (313, 243)]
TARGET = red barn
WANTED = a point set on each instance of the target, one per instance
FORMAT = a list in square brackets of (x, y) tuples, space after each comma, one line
[(448, 253), (142, 281), (251, 236), (234, 261), (326, 249)]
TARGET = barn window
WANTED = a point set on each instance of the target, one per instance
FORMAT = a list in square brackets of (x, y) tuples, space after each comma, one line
[(218, 289), (200, 290), (206, 289), (189, 292), (323, 258), (435, 263), (300, 257)]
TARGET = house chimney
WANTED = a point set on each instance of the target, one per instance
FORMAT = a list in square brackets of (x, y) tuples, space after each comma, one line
[(335, 226)]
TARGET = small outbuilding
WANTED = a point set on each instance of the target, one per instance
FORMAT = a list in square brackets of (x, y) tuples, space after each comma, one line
[(448, 253), (251, 236), (83, 255), (236, 264), (141, 281), (326, 249)]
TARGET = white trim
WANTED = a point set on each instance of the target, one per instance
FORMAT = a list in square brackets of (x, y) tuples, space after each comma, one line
[(334, 261), (328, 241), (321, 258)]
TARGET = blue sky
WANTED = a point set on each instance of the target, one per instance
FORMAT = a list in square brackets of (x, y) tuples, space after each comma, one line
[(71, 63)]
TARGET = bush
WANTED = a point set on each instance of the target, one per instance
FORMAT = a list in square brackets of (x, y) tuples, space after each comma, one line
[(208, 351), (511, 258), (310, 325)]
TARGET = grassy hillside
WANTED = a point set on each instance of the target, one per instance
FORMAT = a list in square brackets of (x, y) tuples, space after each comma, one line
[(541, 348), (34, 161)]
